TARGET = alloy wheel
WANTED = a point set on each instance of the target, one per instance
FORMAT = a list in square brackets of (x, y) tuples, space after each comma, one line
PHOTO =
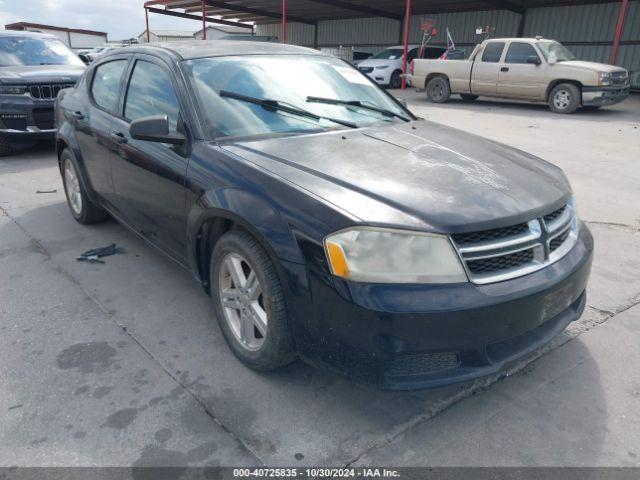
[(72, 187), (562, 99), (242, 302)]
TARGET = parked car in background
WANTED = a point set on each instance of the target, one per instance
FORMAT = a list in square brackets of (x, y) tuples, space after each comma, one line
[(34, 67), (325, 220), (535, 69), (359, 57), (385, 67)]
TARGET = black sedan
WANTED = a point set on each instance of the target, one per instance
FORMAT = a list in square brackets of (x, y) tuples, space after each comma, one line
[(323, 218)]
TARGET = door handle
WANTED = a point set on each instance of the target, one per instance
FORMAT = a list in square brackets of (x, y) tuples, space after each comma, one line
[(78, 115), (504, 69), (118, 137)]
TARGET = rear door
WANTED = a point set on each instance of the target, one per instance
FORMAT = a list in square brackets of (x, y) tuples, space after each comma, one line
[(149, 177), (93, 118), (484, 73), (518, 78)]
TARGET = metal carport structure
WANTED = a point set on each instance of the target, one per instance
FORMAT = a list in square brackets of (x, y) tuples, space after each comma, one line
[(247, 13)]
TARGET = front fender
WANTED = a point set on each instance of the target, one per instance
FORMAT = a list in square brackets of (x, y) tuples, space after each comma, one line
[(252, 212)]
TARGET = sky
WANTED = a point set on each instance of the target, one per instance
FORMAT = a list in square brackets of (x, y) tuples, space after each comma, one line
[(121, 19)]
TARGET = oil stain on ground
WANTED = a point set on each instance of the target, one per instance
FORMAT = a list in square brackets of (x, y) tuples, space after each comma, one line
[(91, 357)]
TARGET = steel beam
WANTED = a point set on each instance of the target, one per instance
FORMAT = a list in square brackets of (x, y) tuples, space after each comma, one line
[(624, 5), (198, 18), (405, 53), (374, 12), (256, 11)]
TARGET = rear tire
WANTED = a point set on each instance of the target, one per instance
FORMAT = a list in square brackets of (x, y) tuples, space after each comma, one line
[(438, 90), (82, 208), (396, 79), (5, 147), (468, 97), (565, 98), (249, 303)]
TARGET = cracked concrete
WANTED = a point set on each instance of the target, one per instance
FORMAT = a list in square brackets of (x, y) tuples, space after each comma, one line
[(123, 364)]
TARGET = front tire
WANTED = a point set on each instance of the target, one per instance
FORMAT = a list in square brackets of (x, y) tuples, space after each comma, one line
[(249, 303), (82, 208), (438, 90), (396, 79), (565, 98), (6, 148)]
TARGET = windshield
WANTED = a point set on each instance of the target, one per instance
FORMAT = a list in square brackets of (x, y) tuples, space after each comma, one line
[(389, 54), (557, 50), (290, 80), (35, 51)]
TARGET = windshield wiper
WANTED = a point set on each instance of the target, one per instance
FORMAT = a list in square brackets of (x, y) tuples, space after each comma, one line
[(276, 105), (359, 104)]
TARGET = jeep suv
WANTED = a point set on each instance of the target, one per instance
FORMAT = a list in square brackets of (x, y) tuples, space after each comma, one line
[(34, 67)]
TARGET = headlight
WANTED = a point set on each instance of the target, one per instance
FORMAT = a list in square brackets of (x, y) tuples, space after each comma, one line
[(604, 78), (382, 67), (375, 255), (12, 90)]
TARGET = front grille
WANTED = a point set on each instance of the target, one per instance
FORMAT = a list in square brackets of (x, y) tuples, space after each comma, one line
[(366, 69), (406, 365), (47, 91), (619, 78), (43, 118), (488, 235), (502, 262), (503, 253), (557, 242)]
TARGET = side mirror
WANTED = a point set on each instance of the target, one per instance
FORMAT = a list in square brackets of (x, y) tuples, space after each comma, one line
[(534, 59), (155, 129)]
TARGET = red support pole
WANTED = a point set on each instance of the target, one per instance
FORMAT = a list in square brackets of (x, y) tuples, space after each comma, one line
[(407, 17), (204, 21), (284, 21), (624, 5), (146, 14)]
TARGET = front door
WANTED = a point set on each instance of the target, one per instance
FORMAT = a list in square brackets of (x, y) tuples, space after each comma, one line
[(518, 78), (484, 76), (149, 177)]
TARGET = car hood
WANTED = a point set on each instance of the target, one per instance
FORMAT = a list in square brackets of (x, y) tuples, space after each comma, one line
[(30, 74), (378, 62), (417, 175), (595, 66)]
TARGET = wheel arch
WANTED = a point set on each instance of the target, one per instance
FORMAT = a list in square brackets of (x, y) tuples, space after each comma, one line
[(433, 75), (555, 83)]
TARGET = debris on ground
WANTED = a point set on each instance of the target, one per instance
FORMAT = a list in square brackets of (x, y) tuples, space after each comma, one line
[(47, 191), (94, 255)]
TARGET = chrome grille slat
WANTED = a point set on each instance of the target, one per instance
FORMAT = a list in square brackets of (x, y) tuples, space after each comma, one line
[(495, 255), (48, 91)]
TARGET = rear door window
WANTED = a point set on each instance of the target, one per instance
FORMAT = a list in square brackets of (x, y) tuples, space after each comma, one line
[(492, 52), (151, 93), (433, 52), (105, 88), (519, 52)]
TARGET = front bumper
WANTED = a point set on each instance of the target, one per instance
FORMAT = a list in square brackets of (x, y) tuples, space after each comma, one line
[(598, 96), (380, 76), (422, 336), (23, 118)]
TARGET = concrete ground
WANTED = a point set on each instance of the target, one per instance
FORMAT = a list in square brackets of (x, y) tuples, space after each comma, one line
[(122, 364)]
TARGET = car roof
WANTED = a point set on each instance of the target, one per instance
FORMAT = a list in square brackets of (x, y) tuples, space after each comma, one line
[(191, 49), (25, 33)]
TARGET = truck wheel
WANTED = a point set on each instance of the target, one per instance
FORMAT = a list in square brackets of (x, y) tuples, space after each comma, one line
[(438, 90), (249, 303), (468, 98), (564, 98), (5, 147), (82, 208), (396, 79)]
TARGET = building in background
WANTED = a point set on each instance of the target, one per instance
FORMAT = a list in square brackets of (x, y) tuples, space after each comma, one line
[(165, 36), (74, 38), (222, 32)]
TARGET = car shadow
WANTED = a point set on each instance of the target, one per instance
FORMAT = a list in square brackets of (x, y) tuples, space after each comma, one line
[(298, 412)]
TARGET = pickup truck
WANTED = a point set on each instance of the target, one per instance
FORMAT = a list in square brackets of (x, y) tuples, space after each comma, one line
[(534, 69)]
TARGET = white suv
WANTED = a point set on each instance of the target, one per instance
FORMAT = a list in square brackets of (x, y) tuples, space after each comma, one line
[(385, 67)]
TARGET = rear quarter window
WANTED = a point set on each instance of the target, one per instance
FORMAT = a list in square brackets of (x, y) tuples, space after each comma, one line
[(105, 87), (492, 52)]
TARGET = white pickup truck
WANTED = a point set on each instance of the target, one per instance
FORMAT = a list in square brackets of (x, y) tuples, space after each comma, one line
[(534, 69)]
